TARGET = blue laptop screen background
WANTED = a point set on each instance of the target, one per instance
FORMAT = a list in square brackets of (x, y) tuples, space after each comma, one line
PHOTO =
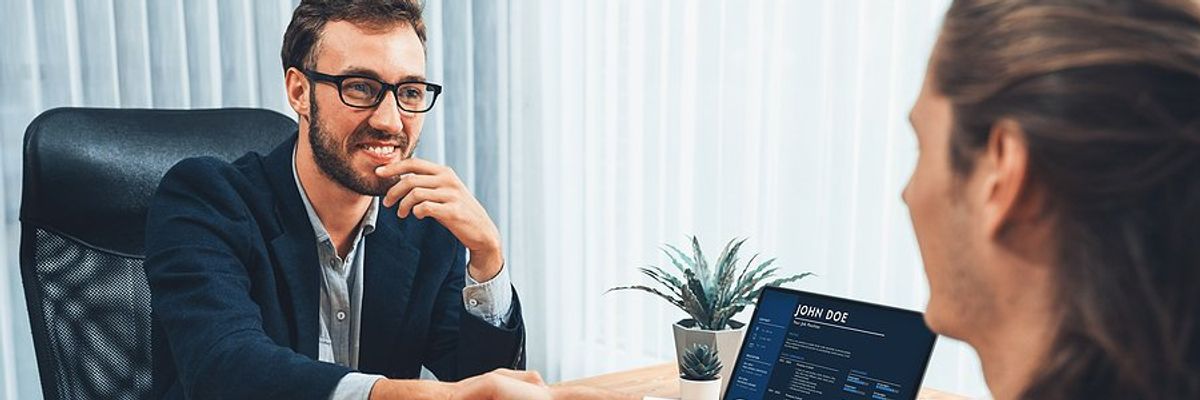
[(808, 346)]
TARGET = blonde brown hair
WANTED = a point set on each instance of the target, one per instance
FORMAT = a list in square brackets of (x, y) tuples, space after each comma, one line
[(1107, 93), (303, 34)]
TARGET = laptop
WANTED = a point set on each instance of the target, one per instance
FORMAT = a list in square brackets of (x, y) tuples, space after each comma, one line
[(806, 346)]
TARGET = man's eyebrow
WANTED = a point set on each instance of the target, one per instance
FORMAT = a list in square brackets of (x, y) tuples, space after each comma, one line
[(370, 73), (360, 71)]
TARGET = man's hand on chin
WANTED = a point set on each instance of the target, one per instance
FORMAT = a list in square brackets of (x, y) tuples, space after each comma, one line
[(431, 190)]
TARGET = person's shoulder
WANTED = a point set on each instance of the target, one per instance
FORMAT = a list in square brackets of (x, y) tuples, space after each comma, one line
[(213, 174), (224, 186), (206, 202), (212, 170)]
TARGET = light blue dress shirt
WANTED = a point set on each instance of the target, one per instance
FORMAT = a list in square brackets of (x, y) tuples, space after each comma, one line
[(341, 298)]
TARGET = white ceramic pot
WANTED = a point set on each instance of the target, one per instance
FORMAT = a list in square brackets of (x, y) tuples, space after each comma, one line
[(699, 390), (727, 343)]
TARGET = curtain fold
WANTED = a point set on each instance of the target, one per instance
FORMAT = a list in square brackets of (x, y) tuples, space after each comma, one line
[(632, 124), (592, 131)]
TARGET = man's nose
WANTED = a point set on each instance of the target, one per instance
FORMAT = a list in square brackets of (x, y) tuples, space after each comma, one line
[(388, 117), (904, 192)]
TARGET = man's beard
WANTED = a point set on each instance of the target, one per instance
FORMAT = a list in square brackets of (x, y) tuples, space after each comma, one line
[(333, 158), (966, 283)]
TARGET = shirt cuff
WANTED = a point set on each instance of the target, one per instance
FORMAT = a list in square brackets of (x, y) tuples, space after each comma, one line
[(355, 386), (491, 300)]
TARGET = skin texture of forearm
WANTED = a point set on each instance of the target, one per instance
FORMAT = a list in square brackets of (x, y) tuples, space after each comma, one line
[(394, 389), (496, 385), (586, 393)]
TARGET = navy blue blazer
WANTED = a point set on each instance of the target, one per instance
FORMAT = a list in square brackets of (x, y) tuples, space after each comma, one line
[(231, 259)]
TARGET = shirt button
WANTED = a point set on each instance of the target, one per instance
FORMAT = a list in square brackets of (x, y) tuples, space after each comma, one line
[(473, 302), (341, 315)]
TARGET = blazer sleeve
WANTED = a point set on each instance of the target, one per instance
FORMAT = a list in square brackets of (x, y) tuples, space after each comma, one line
[(462, 345), (198, 239)]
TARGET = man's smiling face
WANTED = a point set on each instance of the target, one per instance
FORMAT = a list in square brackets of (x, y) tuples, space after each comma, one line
[(349, 143)]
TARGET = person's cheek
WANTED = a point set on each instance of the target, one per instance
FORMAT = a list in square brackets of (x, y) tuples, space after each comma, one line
[(916, 195), (412, 129)]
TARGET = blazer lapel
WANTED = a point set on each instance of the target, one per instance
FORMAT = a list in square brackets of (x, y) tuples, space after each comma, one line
[(389, 268), (295, 251)]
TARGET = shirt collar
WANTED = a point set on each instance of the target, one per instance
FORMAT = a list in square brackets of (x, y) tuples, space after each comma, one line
[(366, 226)]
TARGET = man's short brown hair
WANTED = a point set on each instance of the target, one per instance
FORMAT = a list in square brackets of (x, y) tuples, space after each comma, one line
[(303, 34)]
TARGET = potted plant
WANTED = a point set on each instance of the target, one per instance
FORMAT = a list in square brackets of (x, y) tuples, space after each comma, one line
[(699, 371), (711, 294)]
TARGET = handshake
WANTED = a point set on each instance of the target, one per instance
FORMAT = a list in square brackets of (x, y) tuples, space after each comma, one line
[(500, 384)]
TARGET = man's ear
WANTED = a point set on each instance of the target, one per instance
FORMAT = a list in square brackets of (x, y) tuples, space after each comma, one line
[(297, 92), (1008, 194)]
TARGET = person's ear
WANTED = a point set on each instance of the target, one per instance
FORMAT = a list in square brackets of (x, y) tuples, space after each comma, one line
[(1008, 194), (297, 92)]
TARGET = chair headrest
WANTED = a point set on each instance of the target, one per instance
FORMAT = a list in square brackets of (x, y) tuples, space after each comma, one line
[(89, 173)]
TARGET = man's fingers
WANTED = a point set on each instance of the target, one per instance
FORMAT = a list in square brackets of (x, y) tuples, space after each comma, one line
[(526, 376), (436, 211), (483, 387), (408, 183), (419, 195), (493, 386), (410, 166)]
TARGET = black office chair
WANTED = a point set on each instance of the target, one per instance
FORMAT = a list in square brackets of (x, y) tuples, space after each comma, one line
[(88, 178)]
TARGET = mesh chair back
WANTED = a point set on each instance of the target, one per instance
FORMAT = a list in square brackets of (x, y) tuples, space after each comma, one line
[(88, 178)]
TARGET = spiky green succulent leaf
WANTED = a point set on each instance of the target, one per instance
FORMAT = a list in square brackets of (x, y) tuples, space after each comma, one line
[(698, 292), (674, 301), (677, 256), (693, 303), (701, 262), (727, 260), (780, 282), (670, 282), (726, 266), (700, 363), (711, 293)]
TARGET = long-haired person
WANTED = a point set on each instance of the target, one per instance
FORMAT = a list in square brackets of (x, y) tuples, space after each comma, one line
[(1056, 198)]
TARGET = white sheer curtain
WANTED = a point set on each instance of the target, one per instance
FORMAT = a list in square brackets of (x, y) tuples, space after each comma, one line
[(592, 130), (118, 53), (633, 123)]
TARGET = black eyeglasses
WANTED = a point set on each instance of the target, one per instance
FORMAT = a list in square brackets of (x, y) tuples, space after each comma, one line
[(365, 92)]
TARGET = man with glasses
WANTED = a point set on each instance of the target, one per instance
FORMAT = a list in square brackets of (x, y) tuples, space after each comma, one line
[(338, 264)]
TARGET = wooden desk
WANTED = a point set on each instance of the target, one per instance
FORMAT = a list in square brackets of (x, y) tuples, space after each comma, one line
[(662, 380)]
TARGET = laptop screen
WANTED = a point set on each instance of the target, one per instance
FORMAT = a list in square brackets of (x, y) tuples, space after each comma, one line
[(807, 346)]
